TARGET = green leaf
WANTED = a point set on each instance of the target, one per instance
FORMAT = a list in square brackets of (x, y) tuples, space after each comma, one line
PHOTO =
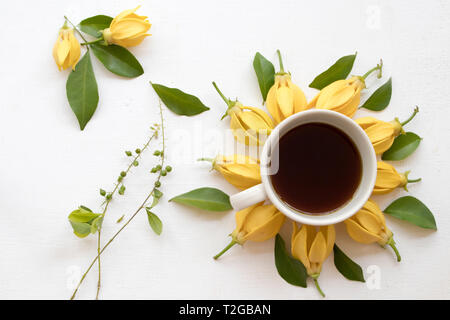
[(346, 266), (118, 60), (412, 210), (158, 194), (178, 101), (265, 72), (290, 269), (210, 199), (82, 215), (403, 146), (380, 99), (95, 24), (338, 71), (154, 222), (96, 224), (81, 229), (82, 91)]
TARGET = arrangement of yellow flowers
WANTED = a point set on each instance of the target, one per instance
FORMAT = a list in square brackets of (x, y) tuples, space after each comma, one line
[(111, 38), (311, 246)]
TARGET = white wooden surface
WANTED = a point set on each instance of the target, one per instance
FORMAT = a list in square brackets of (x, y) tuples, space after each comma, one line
[(48, 167)]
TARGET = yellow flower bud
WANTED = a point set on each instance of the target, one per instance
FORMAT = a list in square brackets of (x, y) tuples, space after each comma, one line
[(312, 247), (256, 223), (66, 50), (127, 29), (380, 133), (241, 171), (284, 98), (388, 179), (368, 225), (249, 125), (342, 96)]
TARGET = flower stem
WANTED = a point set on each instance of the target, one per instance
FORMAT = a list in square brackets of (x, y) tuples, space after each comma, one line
[(315, 277), (227, 101), (76, 29), (232, 243), (416, 110), (280, 61), (91, 42), (379, 67), (108, 202), (391, 243), (414, 180), (144, 203)]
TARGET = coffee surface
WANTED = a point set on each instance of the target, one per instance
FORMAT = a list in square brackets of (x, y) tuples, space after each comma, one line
[(319, 168)]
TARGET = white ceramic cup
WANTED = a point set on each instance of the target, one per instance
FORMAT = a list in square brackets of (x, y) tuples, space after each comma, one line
[(268, 161)]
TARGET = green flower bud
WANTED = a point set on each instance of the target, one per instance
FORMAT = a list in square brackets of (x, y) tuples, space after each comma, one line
[(163, 173), (138, 151), (102, 192), (128, 153), (123, 174), (157, 184), (168, 168)]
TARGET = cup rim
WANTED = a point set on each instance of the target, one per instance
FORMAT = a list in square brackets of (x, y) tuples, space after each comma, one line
[(340, 214)]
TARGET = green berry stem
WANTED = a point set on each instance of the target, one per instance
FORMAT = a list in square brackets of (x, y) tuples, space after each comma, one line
[(143, 205)]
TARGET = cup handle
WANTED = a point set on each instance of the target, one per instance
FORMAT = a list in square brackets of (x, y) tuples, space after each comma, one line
[(249, 197)]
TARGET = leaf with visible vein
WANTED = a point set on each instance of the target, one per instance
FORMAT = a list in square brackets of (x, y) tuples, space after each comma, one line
[(265, 72), (178, 101), (338, 71), (210, 199), (346, 266), (82, 91), (380, 99), (290, 269), (412, 210)]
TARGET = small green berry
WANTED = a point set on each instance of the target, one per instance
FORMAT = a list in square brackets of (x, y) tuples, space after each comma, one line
[(138, 151), (135, 163), (158, 167), (163, 173), (122, 190), (123, 174), (153, 170), (109, 196), (168, 168), (157, 153), (128, 153), (157, 184), (102, 192)]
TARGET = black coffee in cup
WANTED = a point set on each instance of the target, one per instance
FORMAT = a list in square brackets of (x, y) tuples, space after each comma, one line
[(319, 169)]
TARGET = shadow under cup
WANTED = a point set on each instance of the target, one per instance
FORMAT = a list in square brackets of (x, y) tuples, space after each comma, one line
[(318, 167)]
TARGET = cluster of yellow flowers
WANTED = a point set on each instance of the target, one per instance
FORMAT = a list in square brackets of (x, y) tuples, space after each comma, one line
[(309, 244), (127, 30)]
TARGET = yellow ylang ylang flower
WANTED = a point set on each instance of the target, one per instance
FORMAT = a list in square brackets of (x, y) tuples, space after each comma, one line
[(127, 29), (67, 49), (389, 179), (256, 223), (382, 133), (241, 171), (249, 125), (284, 97), (343, 96), (312, 247), (368, 225)]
